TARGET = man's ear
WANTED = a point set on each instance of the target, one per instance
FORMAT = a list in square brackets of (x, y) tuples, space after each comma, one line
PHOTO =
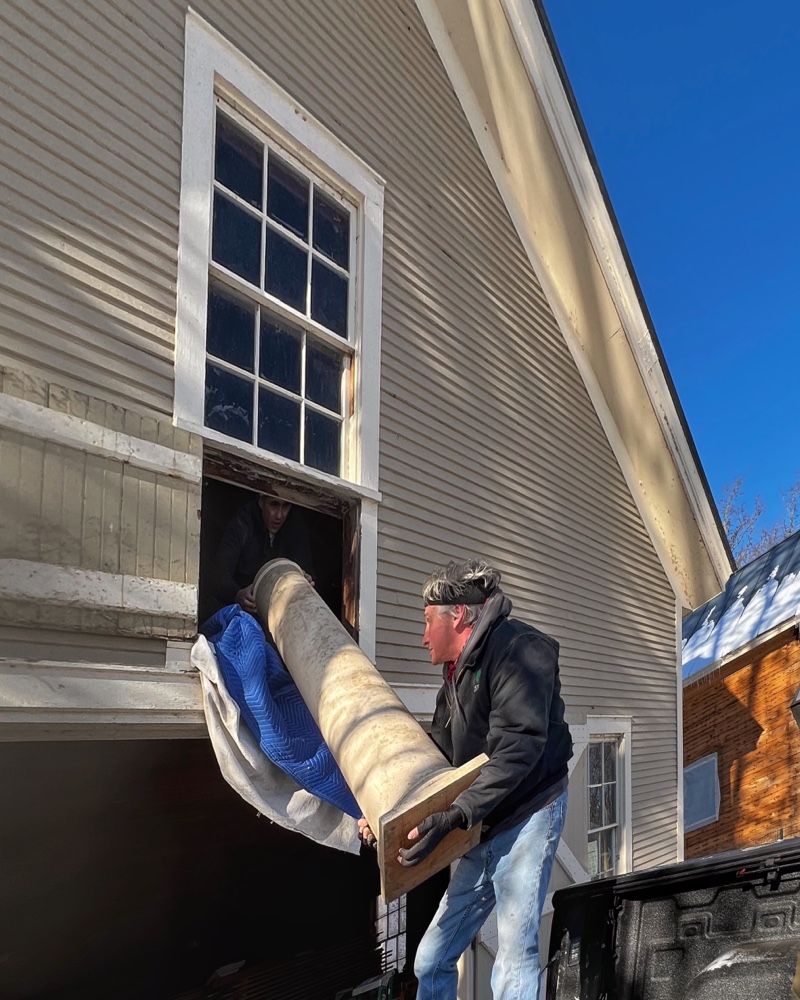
[(460, 615)]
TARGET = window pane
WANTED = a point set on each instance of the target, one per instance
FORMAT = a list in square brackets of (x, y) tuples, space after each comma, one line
[(593, 859), (610, 761), (701, 793), (595, 763), (286, 271), (595, 807), (280, 356), (609, 804), (287, 197), (229, 403), (607, 853), (236, 243), (324, 377), (322, 442), (230, 330), (279, 424), (239, 161), (329, 298), (331, 229)]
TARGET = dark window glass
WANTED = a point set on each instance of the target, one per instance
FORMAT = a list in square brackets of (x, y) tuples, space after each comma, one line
[(323, 377), (609, 804), (236, 243), (279, 424), (229, 403), (286, 271), (280, 356), (610, 761), (595, 807), (331, 229), (595, 763), (329, 298), (287, 197), (322, 442), (230, 330), (239, 161)]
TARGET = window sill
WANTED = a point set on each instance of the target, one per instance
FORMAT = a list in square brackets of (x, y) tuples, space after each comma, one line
[(340, 487)]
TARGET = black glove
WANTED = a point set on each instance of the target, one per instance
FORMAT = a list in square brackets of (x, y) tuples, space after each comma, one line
[(432, 832)]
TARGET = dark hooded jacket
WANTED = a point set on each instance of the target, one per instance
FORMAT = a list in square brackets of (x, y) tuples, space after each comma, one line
[(504, 700)]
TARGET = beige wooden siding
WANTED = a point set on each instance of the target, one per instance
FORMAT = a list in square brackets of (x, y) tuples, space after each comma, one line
[(68, 508), (489, 443)]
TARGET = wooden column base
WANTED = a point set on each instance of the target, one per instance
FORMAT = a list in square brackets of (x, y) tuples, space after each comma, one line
[(433, 796)]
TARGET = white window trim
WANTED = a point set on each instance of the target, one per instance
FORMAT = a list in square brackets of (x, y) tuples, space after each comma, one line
[(215, 67), (705, 820), (619, 726)]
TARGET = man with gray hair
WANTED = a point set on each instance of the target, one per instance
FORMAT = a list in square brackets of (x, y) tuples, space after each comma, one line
[(502, 696)]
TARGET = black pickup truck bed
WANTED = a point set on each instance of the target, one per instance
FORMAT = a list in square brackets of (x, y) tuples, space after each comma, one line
[(719, 928)]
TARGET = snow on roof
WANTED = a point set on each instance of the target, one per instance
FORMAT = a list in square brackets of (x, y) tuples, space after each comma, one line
[(757, 598)]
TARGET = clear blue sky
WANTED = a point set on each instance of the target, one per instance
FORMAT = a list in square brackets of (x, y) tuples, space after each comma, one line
[(693, 110)]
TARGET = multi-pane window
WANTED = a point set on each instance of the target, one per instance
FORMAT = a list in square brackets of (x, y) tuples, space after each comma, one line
[(390, 930), (604, 806), (279, 334)]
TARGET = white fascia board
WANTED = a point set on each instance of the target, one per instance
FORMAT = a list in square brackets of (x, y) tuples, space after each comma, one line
[(690, 477), (549, 89), (47, 699)]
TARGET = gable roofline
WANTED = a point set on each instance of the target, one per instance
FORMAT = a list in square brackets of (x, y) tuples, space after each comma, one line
[(629, 271), (504, 76)]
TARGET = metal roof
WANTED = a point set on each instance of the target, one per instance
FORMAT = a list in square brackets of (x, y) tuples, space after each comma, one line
[(759, 597)]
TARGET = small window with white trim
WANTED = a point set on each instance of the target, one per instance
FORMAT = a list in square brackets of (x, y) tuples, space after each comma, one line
[(603, 806), (279, 276), (701, 795)]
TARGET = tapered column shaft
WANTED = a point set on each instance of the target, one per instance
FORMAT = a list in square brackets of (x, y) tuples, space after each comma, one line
[(388, 761)]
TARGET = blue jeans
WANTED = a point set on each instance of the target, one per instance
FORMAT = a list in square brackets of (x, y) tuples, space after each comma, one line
[(510, 870)]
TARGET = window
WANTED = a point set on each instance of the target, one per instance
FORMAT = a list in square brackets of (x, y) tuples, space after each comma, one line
[(390, 930), (279, 277), (604, 806), (279, 322), (701, 793)]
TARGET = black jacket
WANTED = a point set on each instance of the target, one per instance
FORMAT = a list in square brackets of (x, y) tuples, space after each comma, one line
[(505, 701), (246, 546)]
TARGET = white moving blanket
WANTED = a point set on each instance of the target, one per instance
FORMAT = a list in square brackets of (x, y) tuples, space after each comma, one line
[(260, 782)]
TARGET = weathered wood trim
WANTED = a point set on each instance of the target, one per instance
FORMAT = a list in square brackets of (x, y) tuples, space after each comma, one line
[(44, 583), (25, 417), (49, 699)]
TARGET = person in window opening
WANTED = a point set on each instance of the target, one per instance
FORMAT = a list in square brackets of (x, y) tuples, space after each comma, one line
[(261, 530), (501, 696)]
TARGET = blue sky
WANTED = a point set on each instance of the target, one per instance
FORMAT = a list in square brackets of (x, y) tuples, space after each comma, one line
[(693, 110)]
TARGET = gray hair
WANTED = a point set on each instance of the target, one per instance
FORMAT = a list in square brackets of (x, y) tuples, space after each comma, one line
[(445, 584)]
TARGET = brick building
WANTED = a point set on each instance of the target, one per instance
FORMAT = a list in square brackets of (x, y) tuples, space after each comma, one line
[(741, 672)]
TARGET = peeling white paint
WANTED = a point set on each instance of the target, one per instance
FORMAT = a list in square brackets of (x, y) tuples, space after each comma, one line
[(45, 583)]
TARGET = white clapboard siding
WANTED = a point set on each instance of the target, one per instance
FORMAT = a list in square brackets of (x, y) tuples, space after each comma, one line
[(489, 442)]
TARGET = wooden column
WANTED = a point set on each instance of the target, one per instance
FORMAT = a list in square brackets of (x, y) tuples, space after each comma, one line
[(395, 771)]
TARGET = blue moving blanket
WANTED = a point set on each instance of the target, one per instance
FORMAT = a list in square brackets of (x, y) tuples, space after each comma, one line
[(272, 708)]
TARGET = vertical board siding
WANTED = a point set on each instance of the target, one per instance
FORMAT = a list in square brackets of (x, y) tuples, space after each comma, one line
[(64, 506), (489, 442)]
